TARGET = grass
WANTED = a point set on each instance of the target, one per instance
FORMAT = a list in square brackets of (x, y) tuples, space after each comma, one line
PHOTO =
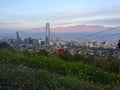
[(20, 71)]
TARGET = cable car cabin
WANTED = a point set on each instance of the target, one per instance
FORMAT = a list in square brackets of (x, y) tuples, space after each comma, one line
[(61, 50), (119, 44)]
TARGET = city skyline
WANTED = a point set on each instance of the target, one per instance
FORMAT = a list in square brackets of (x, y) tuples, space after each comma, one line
[(29, 14)]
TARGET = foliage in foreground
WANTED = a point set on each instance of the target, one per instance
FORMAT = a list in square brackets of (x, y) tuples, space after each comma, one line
[(38, 71)]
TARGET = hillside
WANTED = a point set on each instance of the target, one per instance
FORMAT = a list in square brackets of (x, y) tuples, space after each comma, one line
[(44, 71)]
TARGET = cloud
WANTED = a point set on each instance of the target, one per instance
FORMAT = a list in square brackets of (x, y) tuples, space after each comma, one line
[(9, 23), (106, 21), (86, 17), (107, 17)]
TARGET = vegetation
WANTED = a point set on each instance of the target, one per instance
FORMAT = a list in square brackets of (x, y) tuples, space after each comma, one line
[(110, 64), (44, 71)]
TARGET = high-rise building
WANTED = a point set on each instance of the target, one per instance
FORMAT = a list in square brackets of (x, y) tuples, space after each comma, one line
[(18, 35), (47, 39), (19, 38)]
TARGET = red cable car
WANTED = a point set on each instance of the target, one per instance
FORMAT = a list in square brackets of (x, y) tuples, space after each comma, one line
[(61, 50)]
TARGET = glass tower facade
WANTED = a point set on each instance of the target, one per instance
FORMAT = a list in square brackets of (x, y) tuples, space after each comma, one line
[(47, 33)]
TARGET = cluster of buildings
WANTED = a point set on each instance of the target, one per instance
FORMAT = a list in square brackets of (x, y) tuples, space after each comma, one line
[(20, 40), (58, 42), (96, 44)]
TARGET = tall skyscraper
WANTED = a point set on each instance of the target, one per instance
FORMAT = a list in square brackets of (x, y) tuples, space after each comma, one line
[(47, 34), (19, 38), (18, 35)]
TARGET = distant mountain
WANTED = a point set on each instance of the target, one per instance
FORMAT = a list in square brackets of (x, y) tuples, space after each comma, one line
[(68, 29), (79, 28), (68, 32), (65, 29)]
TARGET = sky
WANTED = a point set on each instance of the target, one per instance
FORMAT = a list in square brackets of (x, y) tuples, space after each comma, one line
[(27, 14)]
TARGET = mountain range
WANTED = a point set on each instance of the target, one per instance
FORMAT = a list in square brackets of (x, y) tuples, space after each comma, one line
[(66, 32)]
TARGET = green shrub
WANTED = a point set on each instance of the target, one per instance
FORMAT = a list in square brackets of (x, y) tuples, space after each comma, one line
[(51, 73)]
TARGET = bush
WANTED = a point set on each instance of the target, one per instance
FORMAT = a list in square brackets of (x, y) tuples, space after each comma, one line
[(50, 72)]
